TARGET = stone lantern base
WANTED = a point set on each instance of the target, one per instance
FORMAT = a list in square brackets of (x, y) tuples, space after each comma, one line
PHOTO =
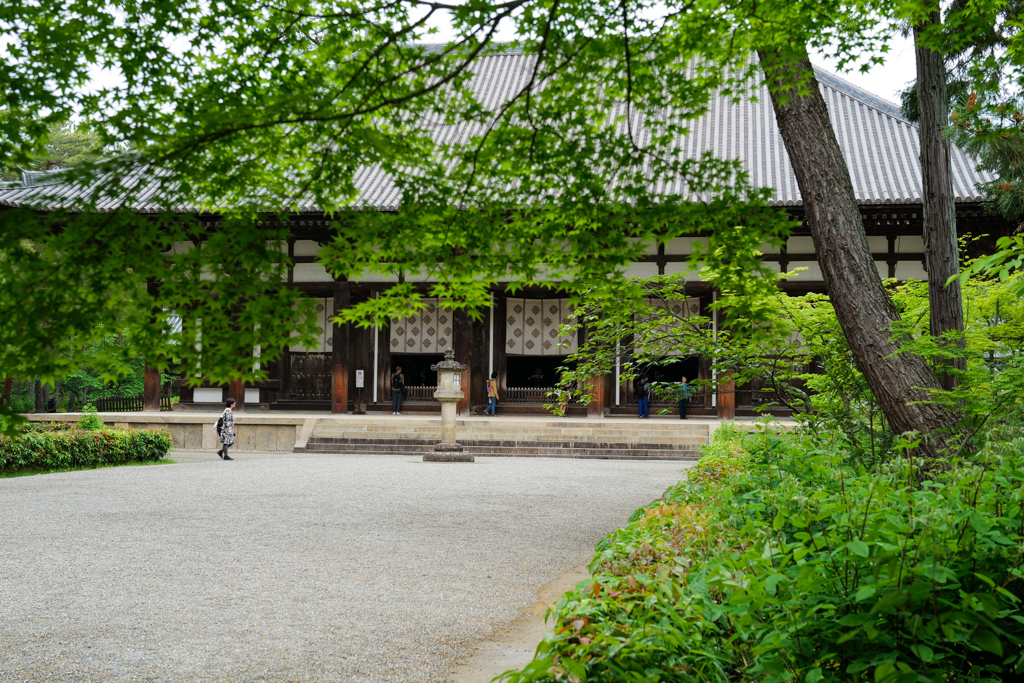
[(448, 452)]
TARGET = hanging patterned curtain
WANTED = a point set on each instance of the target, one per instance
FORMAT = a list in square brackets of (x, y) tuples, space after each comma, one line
[(325, 342), (533, 327), (431, 330)]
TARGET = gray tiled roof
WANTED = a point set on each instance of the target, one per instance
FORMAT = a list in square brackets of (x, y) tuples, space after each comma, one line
[(880, 147)]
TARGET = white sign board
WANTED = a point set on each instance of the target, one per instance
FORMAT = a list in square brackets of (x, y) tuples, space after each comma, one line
[(360, 378)]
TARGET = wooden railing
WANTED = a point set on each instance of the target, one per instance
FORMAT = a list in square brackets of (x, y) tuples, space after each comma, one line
[(127, 404), (529, 395), (417, 393)]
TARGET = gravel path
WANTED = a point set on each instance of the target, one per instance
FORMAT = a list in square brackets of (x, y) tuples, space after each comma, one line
[(291, 567)]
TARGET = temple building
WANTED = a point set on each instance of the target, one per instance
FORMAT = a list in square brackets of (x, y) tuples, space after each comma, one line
[(519, 336)]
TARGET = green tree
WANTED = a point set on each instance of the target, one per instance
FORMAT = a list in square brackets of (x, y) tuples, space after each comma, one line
[(65, 146), (256, 116)]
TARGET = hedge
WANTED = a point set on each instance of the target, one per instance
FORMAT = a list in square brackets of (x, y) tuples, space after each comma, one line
[(65, 446), (779, 561)]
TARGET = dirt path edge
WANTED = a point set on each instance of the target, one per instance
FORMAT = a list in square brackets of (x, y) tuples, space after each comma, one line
[(513, 647)]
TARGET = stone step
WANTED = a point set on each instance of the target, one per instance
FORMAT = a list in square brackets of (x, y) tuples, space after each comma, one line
[(511, 443), (401, 427), (520, 451), (555, 437), (621, 437)]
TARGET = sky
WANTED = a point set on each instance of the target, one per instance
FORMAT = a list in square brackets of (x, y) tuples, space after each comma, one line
[(885, 80)]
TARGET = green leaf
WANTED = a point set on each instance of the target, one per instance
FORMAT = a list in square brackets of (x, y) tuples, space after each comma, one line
[(924, 653), (859, 548), (987, 641), (814, 675), (864, 593)]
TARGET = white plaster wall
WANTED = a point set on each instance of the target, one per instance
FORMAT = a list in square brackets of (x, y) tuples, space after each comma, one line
[(681, 245), (252, 395), (879, 244), (306, 248), (909, 244), (800, 245), (310, 272), (813, 272), (910, 270), (642, 270), (208, 395)]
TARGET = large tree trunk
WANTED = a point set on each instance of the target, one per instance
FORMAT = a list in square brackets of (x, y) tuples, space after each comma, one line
[(866, 314), (942, 256), (5, 398)]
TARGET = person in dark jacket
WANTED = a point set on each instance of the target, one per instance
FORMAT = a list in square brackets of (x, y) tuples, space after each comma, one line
[(684, 398), (397, 389), (643, 397)]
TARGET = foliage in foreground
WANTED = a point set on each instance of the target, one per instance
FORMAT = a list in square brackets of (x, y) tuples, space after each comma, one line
[(777, 560), (68, 446)]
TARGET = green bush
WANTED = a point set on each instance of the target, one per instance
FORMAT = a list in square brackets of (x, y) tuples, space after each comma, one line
[(89, 421), (66, 446), (782, 562)]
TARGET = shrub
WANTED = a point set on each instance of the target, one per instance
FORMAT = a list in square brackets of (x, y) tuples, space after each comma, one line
[(782, 562), (66, 446), (89, 421)]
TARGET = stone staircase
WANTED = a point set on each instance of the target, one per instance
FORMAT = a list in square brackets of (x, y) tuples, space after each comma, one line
[(613, 438)]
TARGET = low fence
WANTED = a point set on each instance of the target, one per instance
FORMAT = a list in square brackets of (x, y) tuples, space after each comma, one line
[(127, 404), (421, 392), (531, 395)]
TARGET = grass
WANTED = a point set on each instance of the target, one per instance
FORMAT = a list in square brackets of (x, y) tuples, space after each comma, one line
[(32, 471)]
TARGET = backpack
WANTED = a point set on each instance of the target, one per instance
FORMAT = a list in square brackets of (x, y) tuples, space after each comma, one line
[(642, 389), (396, 381), (220, 424)]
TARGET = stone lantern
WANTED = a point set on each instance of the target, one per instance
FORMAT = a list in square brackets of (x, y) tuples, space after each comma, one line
[(449, 450)]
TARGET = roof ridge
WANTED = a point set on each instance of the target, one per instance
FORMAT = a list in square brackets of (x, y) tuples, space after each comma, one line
[(837, 82)]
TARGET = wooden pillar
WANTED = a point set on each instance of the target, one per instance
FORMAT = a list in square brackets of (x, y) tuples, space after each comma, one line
[(727, 398), (463, 345), (150, 374), (340, 351), (500, 343), (151, 388), (384, 365), (186, 393), (360, 357), (597, 387), (284, 373), (478, 355), (236, 390)]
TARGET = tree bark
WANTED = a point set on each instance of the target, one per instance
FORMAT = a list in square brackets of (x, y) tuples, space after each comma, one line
[(900, 382), (942, 256), (5, 399)]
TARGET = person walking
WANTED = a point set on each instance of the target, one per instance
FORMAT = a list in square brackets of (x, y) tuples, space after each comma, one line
[(643, 397), (684, 398), (227, 429), (397, 389), (492, 395)]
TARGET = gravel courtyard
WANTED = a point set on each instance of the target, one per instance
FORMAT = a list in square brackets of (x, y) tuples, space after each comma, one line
[(291, 567)]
